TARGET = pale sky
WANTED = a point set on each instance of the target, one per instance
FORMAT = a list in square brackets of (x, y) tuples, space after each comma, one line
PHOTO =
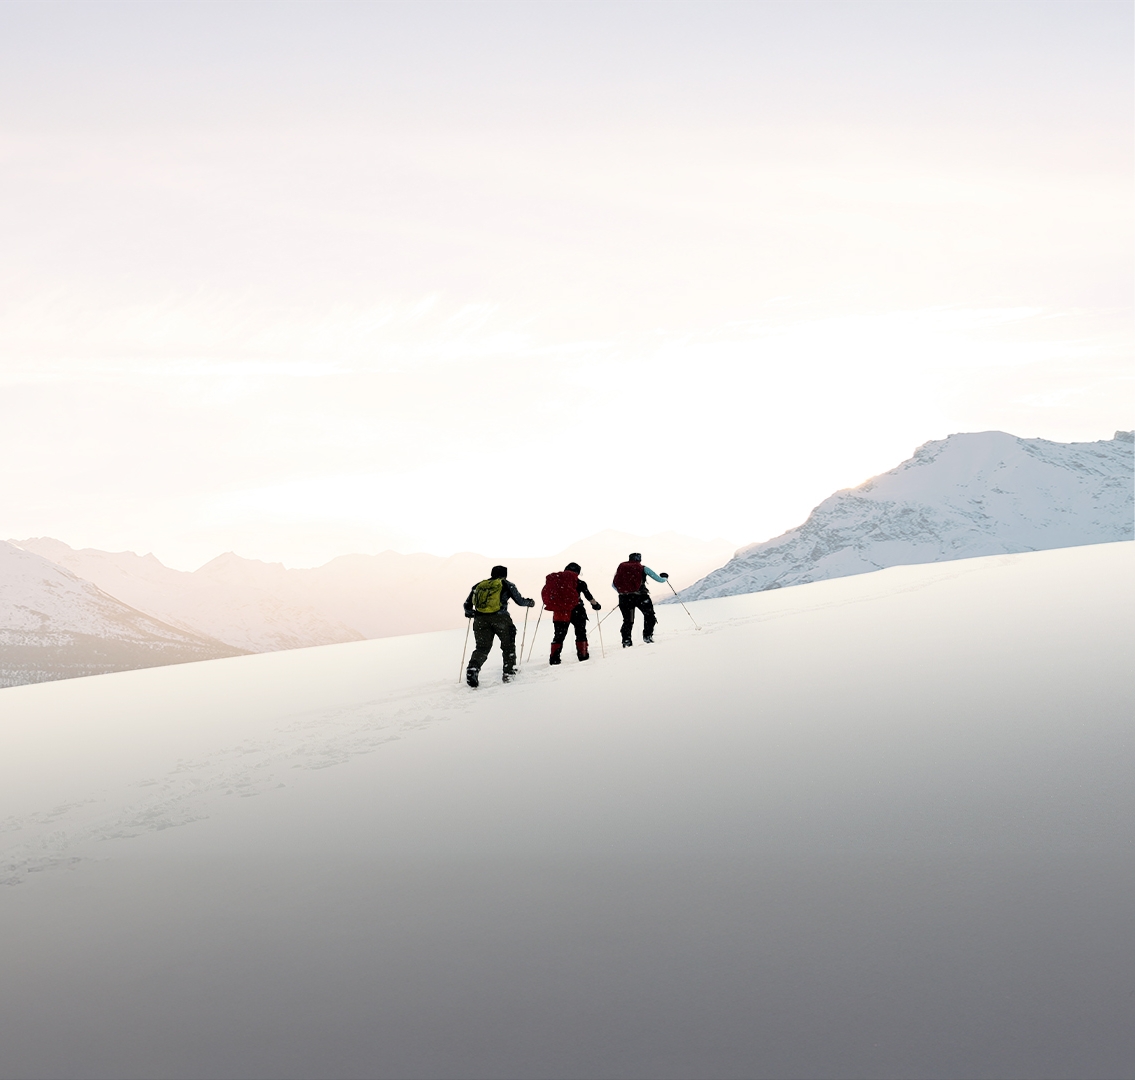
[(297, 280)]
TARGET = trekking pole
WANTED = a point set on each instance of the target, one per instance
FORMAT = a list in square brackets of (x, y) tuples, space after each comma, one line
[(599, 627), (684, 608), (461, 669), (523, 635), (534, 632), (608, 615)]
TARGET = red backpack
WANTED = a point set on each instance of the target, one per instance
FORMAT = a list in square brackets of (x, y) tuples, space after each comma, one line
[(561, 591), (630, 577)]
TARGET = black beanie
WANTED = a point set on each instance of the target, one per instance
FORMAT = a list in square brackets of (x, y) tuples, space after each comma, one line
[(635, 556), (573, 566), (499, 571)]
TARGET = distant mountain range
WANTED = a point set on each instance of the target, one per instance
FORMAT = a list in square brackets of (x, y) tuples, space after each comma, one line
[(985, 493), (233, 605), (55, 625), (237, 601)]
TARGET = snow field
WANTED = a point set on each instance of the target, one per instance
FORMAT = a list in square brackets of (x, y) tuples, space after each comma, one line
[(879, 825)]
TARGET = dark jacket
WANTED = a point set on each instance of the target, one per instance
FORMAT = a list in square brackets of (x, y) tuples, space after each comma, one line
[(508, 592)]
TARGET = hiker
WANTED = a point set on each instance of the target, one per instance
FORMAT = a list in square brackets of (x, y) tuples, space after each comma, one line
[(487, 606), (630, 584), (561, 595)]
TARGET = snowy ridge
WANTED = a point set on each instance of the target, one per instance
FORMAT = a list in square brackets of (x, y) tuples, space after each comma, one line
[(968, 495), (55, 625)]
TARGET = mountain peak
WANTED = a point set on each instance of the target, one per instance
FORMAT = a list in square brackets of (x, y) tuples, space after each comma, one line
[(970, 494)]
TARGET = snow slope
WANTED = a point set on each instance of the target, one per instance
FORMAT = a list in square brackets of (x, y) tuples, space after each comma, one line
[(964, 496), (873, 826), (54, 625), (227, 599)]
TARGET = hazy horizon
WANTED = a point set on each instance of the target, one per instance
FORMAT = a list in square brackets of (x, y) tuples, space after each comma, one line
[(307, 279), (492, 556)]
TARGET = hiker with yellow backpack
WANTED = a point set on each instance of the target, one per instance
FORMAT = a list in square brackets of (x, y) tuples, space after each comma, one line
[(487, 606)]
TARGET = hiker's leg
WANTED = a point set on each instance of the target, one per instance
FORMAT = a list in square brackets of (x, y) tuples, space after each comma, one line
[(559, 632), (483, 634), (579, 621), (506, 628), (649, 619), (626, 606)]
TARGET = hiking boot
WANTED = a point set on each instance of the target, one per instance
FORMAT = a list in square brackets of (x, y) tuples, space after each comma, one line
[(554, 656), (581, 650), (471, 678), (508, 676), (648, 640), (627, 643)]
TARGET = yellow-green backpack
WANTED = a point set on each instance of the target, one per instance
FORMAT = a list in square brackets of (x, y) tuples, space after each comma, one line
[(487, 595)]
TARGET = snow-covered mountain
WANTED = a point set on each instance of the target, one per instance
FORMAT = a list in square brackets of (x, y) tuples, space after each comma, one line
[(985, 493), (230, 599), (55, 625)]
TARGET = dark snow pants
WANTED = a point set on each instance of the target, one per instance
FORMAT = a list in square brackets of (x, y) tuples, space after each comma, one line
[(627, 604), (487, 627), (578, 619)]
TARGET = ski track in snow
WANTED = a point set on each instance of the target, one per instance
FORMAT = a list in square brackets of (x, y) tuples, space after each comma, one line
[(63, 835)]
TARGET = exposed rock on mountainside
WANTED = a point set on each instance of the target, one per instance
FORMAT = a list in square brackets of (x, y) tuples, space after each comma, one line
[(54, 625), (986, 493)]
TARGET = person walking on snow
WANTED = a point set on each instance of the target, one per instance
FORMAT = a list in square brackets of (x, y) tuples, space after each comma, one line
[(630, 584), (561, 596), (487, 606)]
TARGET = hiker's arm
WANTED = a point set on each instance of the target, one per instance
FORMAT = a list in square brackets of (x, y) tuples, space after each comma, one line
[(656, 577), (587, 592), (514, 593), (469, 612)]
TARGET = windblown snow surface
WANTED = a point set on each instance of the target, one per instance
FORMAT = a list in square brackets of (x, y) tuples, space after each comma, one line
[(875, 826), (981, 493)]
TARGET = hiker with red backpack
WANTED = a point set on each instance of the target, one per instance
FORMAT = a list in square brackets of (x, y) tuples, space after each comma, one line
[(487, 606), (561, 595), (630, 584)]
